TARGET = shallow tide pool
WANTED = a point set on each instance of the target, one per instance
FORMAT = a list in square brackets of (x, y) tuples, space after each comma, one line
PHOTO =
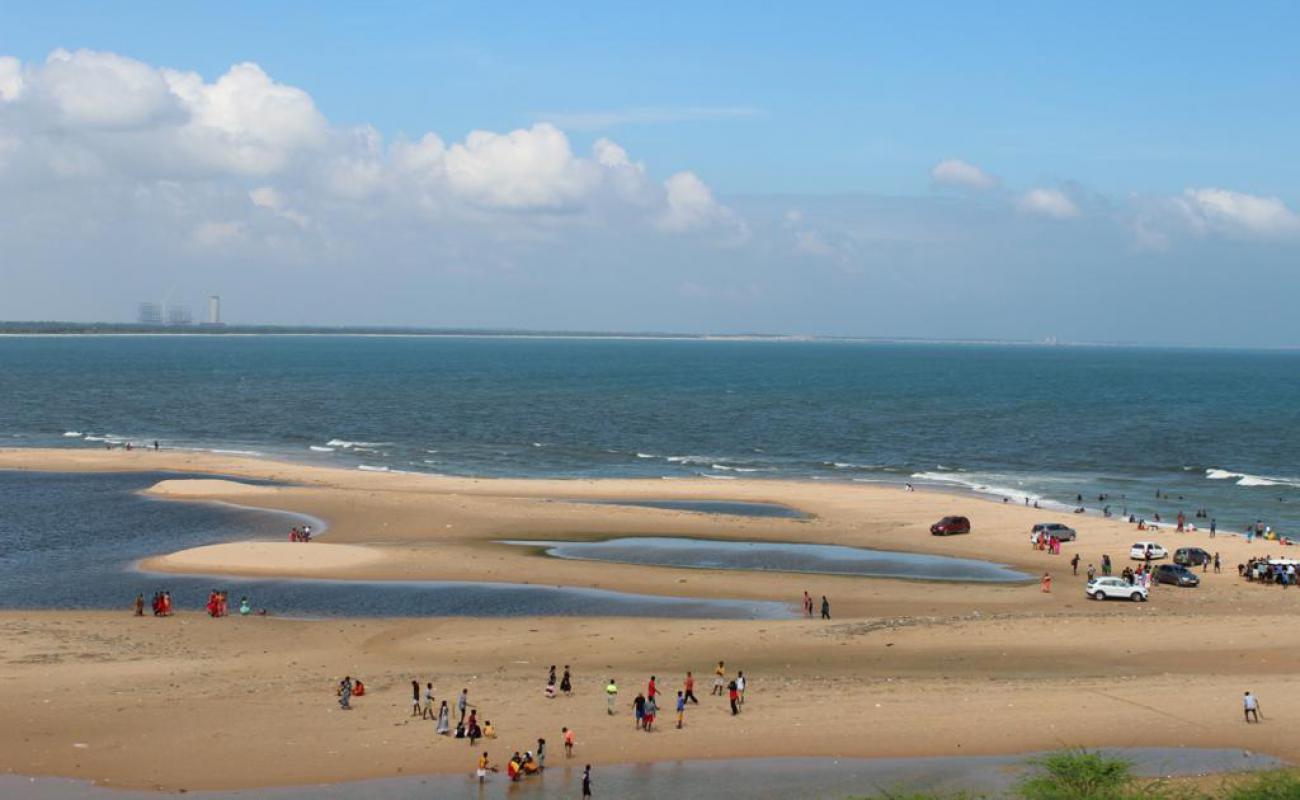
[(664, 551)]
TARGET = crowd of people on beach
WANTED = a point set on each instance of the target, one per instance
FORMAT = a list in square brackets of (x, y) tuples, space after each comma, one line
[(302, 534), (646, 708), (218, 605), (1267, 569)]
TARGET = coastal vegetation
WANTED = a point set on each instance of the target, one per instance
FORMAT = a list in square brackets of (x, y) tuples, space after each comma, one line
[(1080, 774)]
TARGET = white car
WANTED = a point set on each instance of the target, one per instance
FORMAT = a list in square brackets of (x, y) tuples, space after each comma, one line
[(1104, 588), (1141, 550)]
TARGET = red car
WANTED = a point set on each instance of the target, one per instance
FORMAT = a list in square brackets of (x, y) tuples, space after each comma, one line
[(949, 526)]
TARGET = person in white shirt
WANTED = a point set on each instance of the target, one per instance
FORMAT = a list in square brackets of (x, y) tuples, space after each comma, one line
[(1252, 707)]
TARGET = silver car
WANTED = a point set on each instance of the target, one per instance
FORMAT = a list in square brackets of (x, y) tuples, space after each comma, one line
[(1063, 532)]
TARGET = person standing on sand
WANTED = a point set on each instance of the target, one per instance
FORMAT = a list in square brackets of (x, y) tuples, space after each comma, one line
[(719, 679), (1251, 704), (611, 696), (733, 694), (444, 719), (1092, 573), (427, 712), (566, 683), (638, 709), (345, 693), (1047, 582), (681, 710), (826, 608), (462, 703), (1218, 567), (139, 605), (1074, 563), (740, 685), (568, 742), (649, 713), (690, 688), (586, 782), (651, 690), (415, 698), (807, 604), (1214, 527)]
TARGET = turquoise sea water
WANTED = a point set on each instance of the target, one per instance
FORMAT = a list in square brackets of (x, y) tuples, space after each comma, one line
[(1218, 430)]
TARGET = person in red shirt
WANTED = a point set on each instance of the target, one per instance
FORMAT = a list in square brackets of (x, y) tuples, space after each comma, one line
[(650, 691), (690, 688)]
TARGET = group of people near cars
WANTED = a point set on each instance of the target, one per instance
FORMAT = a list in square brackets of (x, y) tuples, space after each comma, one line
[(1269, 570)]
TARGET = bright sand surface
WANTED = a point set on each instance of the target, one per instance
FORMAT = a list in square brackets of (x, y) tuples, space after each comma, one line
[(905, 668)]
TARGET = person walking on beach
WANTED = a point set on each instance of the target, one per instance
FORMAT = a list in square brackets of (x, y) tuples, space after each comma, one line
[(651, 689), (586, 781), (807, 604), (638, 709), (1074, 563), (415, 698), (139, 605), (733, 694), (1251, 704), (719, 679), (462, 703), (611, 696), (427, 712), (649, 713), (568, 742), (681, 710), (690, 688), (1218, 567), (826, 608), (566, 683)]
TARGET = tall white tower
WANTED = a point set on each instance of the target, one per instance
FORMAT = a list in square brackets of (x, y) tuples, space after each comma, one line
[(214, 310)]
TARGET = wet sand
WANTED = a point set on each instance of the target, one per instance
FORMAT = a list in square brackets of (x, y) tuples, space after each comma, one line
[(906, 668)]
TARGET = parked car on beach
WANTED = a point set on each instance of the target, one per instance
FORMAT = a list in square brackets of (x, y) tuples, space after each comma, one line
[(1176, 574), (1141, 550), (1192, 556), (1106, 588), (1061, 531), (950, 526)]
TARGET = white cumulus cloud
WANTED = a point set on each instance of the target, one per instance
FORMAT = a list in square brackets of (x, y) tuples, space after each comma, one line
[(1052, 203), (1232, 212), (955, 172)]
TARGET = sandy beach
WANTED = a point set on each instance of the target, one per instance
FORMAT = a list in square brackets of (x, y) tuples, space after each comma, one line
[(905, 667)]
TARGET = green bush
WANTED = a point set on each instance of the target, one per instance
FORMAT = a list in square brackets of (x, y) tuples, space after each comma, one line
[(1268, 786), (1078, 775)]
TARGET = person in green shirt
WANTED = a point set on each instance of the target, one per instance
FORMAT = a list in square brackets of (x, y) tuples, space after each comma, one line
[(611, 696)]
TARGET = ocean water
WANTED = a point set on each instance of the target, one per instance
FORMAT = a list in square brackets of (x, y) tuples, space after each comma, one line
[(72, 540), (1214, 429)]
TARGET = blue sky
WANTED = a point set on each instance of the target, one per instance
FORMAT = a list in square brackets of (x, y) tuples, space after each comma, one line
[(1120, 108), (839, 97)]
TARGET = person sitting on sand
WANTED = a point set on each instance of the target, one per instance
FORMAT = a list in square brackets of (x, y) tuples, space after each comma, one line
[(245, 608), (358, 689), (489, 731)]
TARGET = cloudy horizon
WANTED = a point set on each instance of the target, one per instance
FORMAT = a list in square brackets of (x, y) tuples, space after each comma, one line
[(126, 178)]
